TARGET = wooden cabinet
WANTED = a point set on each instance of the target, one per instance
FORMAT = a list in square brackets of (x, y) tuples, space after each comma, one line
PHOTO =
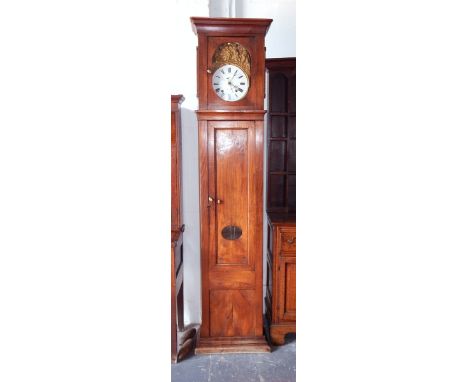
[(181, 338), (280, 296), (281, 134), (280, 299), (230, 77)]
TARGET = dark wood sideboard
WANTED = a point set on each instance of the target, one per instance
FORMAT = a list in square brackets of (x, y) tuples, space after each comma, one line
[(280, 299)]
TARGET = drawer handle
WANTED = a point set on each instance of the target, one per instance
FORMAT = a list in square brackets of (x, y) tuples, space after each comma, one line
[(291, 241)]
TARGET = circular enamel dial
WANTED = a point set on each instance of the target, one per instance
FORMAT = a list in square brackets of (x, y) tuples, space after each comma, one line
[(230, 83)]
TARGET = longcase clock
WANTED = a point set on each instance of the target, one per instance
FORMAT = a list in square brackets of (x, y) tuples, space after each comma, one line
[(231, 92)]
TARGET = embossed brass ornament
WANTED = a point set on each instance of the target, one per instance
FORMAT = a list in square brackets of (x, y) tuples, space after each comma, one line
[(231, 53)]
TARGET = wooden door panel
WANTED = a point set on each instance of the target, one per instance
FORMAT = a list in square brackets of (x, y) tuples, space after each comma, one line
[(231, 168), (232, 313), (234, 287), (231, 180), (290, 295), (232, 279), (287, 288)]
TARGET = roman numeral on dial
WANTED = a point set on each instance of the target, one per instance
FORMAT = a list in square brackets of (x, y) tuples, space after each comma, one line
[(230, 83)]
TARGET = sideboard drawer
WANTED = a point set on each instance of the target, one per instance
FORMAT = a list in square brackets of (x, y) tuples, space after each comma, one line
[(288, 239)]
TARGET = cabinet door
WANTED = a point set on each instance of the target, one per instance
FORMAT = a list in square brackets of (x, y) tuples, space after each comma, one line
[(234, 273), (287, 288)]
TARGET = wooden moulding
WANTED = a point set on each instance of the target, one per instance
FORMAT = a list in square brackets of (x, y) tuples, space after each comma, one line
[(230, 25), (176, 100), (227, 115), (280, 63), (216, 345)]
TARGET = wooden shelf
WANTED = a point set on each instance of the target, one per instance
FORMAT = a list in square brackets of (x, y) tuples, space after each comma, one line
[(282, 172), (281, 114)]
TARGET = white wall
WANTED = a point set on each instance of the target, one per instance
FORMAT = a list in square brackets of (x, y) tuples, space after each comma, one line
[(280, 42), (183, 70), (281, 37), (223, 8)]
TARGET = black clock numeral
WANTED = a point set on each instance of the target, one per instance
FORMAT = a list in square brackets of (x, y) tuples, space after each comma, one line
[(217, 89), (241, 76), (214, 83), (218, 76), (229, 69), (235, 73), (222, 71), (241, 90), (242, 83)]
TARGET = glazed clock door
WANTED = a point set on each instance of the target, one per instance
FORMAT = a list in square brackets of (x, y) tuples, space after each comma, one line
[(235, 288)]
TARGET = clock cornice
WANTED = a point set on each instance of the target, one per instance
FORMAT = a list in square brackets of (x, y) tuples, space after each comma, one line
[(230, 25)]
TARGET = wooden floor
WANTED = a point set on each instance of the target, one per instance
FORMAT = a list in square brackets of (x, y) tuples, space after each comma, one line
[(277, 366)]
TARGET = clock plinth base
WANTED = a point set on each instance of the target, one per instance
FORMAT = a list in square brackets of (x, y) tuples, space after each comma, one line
[(217, 345)]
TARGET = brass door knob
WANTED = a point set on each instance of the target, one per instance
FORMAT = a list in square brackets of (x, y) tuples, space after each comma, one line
[(210, 201)]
